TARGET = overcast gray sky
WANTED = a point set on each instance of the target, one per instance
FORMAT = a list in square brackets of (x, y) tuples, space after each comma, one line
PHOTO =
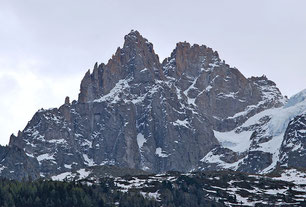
[(46, 46)]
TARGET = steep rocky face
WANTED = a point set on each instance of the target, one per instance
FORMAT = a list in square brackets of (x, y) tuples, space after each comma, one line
[(216, 89), (15, 164), (136, 112), (136, 60), (293, 149)]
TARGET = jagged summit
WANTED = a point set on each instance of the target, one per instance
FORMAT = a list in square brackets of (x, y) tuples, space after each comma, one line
[(185, 54), (134, 37), (135, 60), (137, 112)]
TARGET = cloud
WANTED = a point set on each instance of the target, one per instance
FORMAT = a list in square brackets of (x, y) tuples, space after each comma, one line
[(47, 46), (23, 91)]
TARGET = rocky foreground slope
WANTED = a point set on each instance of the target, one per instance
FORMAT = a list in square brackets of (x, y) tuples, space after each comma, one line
[(200, 189), (190, 112), (285, 187)]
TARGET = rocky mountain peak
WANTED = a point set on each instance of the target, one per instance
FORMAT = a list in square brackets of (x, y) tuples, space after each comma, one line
[(139, 113), (192, 57), (135, 38), (136, 61), (217, 89), (137, 53), (262, 80)]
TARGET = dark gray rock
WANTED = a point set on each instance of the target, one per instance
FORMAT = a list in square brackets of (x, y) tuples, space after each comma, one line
[(256, 161), (216, 89), (136, 112), (293, 149), (15, 164)]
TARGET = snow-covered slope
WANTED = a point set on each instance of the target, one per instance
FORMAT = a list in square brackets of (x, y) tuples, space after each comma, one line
[(258, 142)]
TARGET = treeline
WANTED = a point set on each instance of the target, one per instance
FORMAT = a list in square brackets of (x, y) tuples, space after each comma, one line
[(183, 192), (44, 193), (67, 194), (205, 189)]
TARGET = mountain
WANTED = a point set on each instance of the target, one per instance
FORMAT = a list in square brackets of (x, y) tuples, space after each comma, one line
[(191, 111), (270, 139)]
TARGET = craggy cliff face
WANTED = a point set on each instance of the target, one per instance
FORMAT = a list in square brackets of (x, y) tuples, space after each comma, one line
[(137, 112)]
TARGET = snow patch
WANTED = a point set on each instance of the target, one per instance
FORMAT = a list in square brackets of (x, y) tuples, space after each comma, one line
[(67, 166), (87, 143), (113, 95), (83, 173), (208, 88), (140, 140), (238, 142), (216, 159), (2, 168), (57, 141), (88, 161), (144, 70), (184, 123), (293, 175), (45, 156), (159, 152), (155, 195), (30, 155), (62, 176)]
